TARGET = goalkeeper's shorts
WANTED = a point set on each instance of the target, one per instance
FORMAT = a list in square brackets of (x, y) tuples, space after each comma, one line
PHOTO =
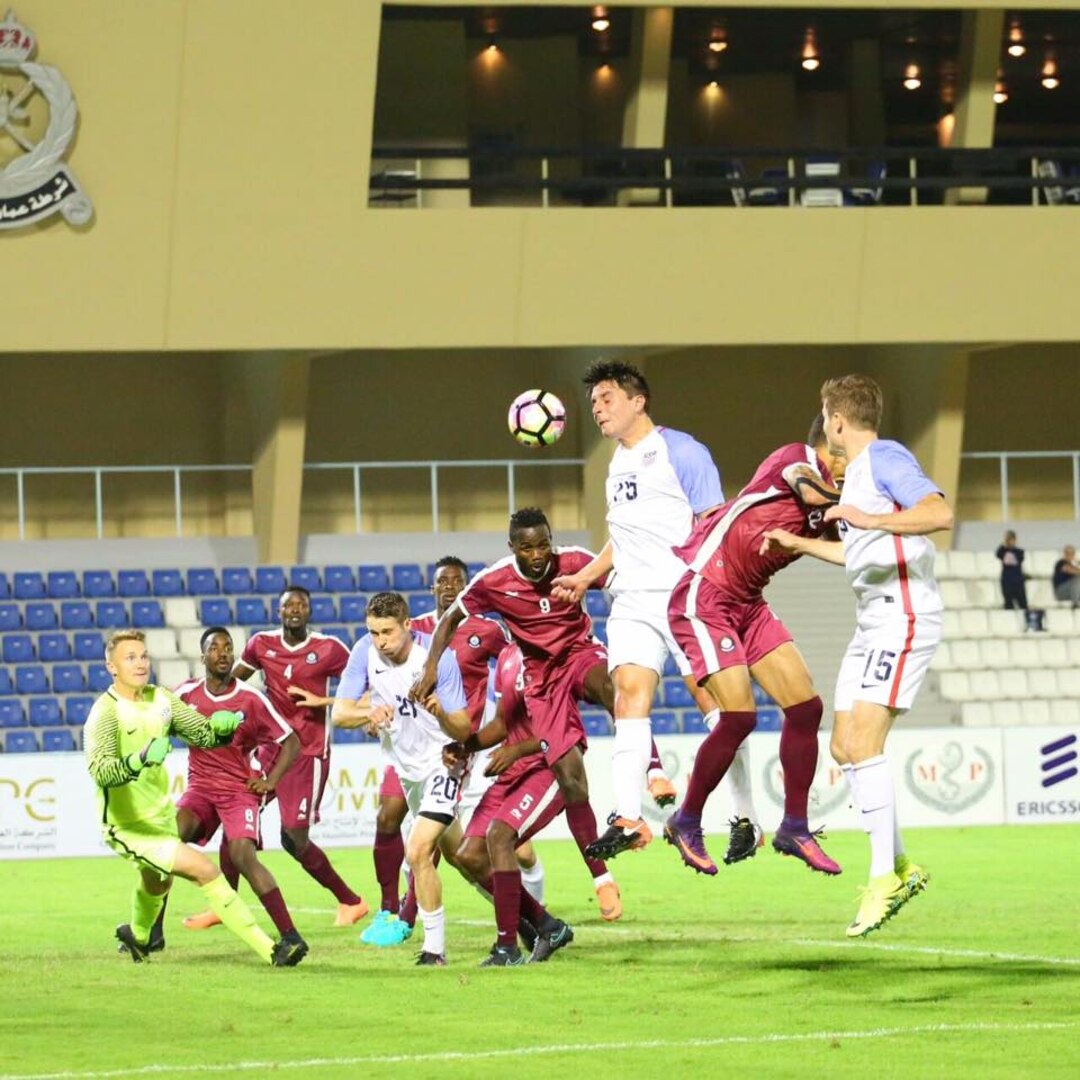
[(151, 845)]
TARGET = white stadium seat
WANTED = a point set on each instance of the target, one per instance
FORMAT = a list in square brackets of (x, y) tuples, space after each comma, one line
[(1052, 652), (1024, 653), (994, 653), (1061, 621), (942, 658), (942, 565), (986, 562), (954, 594), (1014, 684), (1043, 683), (1035, 713), (239, 639), (955, 686), (1006, 713), (1005, 623), (950, 625), (1073, 645), (189, 642), (180, 612), (974, 623), (976, 714), (1039, 594), (161, 644), (1069, 683), (962, 565), (966, 655), (985, 686), (983, 593), (1065, 711), (172, 673), (1041, 563)]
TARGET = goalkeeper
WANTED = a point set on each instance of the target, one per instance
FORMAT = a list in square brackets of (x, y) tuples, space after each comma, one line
[(126, 739)]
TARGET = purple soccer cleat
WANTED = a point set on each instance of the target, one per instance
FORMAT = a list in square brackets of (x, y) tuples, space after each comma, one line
[(804, 845), (684, 833)]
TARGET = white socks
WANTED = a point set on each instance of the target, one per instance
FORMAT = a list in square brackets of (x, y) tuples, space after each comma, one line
[(877, 803), (739, 785), (434, 930), (630, 763), (532, 880)]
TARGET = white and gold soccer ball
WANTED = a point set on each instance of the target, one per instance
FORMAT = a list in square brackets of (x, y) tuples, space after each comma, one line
[(537, 418)]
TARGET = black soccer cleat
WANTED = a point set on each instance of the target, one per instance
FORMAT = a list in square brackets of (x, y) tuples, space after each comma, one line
[(503, 956), (126, 936), (289, 951), (431, 959), (551, 942), (744, 841), (157, 942), (622, 835), (528, 933)]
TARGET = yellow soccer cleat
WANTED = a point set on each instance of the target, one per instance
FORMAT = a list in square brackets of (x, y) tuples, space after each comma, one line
[(881, 900), (914, 876)]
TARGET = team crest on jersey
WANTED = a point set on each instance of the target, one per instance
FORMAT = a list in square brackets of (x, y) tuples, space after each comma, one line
[(813, 519), (727, 645), (474, 640), (649, 458), (312, 657), (271, 652), (36, 183)]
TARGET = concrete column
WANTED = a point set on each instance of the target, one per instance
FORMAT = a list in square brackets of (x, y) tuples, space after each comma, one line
[(277, 389), (647, 96), (980, 53)]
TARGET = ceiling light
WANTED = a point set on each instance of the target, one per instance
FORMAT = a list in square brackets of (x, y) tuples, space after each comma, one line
[(911, 77), (1050, 78), (1016, 40), (600, 20), (717, 45), (1001, 92), (810, 59)]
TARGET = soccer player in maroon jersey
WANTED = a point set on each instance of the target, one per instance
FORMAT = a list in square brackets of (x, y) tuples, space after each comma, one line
[(721, 621), (564, 663), (297, 665)]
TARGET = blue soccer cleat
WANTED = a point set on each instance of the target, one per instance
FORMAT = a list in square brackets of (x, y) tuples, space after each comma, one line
[(386, 930)]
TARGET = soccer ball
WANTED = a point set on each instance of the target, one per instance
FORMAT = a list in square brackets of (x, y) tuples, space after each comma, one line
[(536, 418)]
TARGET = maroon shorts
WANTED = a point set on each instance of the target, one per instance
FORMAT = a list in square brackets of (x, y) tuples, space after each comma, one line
[(716, 633), (390, 787), (237, 812), (300, 791), (528, 804), (552, 693)]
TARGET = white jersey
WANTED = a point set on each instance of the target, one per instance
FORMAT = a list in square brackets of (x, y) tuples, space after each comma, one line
[(414, 740), (899, 570), (654, 489)]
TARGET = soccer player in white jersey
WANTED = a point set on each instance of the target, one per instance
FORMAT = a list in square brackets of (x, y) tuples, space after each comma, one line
[(887, 509), (387, 661), (659, 481)]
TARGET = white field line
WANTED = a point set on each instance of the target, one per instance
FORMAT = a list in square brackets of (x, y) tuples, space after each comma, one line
[(449, 1056)]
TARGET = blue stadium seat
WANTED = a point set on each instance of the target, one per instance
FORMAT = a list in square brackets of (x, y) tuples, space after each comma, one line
[(430, 573), (407, 577), (41, 615), (760, 697), (62, 584), (372, 578), (11, 712), (694, 723), (350, 735), (664, 722), (53, 648), (338, 579), (670, 667), (676, 694), (341, 633), (250, 611), (596, 603), (215, 612), (89, 645), (58, 739), (77, 709), (133, 583), (147, 614), (98, 584), (237, 579), (18, 648), (98, 678), (6, 686), (29, 586), (68, 678), (596, 723), (420, 603), (352, 609), (31, 679), (76, 615), (10, 617), (5, 587), (270, 579), (111, 614), (306, 577), (21, 742), (769, 718), (475, 568), (202, 581), (166, 583), (45, 712), (323, 610)]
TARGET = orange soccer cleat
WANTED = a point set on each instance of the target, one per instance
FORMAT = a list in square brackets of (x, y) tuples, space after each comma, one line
[(607, 896), (203, 921), (349, 914)]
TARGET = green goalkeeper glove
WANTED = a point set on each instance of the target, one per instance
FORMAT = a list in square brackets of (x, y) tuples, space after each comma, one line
[(223, 723), (153, 753)]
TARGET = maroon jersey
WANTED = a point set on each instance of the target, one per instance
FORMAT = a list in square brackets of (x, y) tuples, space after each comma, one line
[(475, 643), (545, 628), (224, 770), (510, 689), (723, 547), (310, 665)]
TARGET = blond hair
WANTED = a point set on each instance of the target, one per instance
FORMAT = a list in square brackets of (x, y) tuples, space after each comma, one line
[(857, 398), (118, 636)]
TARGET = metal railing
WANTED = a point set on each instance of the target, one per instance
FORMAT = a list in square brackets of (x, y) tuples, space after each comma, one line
[(99, 473), (1005, 456)]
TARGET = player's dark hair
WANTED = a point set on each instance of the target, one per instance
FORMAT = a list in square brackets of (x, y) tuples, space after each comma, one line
[(857, 398), (624, 375), (451, 560), (529, 517), (296, 589), (209, 632), (388, 605), (816, 435)]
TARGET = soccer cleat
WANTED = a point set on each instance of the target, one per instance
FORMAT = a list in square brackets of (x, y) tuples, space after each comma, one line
[(157, 942), (430, 959), (349, 914), (880, 901), (387, 930), (527, 933), (503, 956), (744, 840), (805, 846), (622, 835), (607, 896), (551, 942), (289, 951), (126, 936), (914, 877), (662, 790), (203, 921), (685, 835)]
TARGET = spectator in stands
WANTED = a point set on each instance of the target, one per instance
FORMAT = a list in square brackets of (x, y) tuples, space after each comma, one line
[(1066, 579), (1012, 573)]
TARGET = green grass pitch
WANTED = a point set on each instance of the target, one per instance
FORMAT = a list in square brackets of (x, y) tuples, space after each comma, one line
[(746, 974)]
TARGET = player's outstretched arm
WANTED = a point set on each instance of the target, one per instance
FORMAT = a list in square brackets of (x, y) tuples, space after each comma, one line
[(810, 487), (456, 724), (350, 713), (930, 514), (572, 587), (831, 551), (190, 724), (444, 633), (290, 750), (242, 671)]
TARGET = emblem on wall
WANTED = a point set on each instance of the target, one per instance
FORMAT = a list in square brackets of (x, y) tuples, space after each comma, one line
[(36, 181)]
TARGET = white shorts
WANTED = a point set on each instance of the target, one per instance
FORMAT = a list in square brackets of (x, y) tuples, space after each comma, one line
[(888, 658), (638, 633), (474, 786), (436, 796)]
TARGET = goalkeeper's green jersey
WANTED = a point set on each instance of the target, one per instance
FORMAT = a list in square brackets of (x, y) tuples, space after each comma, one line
[(117, 727)]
